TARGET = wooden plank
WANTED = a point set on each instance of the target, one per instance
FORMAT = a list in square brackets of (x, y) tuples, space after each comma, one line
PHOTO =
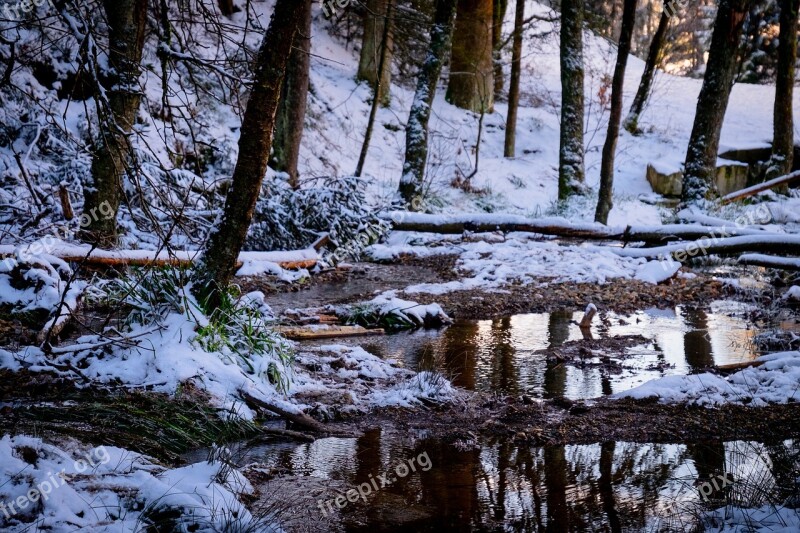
[(299, 333)]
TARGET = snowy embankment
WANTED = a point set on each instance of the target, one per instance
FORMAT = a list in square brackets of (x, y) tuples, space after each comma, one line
[(517, 259), (775, 381), (70, 487)]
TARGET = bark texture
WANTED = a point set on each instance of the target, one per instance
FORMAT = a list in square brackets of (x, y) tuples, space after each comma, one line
[(416, 156), (291, 114), (500, 7), (127, 20), (654, 55), (218, 262), (471, 84), (701, 157), (375, 19), (571, 168), (605, 200), (509, 148), (783, 125)]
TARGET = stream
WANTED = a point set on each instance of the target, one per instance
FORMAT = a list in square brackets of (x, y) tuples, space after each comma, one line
[(482, 484)]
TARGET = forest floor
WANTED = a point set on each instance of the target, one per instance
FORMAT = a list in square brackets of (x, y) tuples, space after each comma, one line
[(46, 403)]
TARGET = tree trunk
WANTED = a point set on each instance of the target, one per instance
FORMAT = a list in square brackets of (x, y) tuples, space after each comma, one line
[(471, 83), (646, 85), (571, 169), (783, 125), (605, 200), (417, 128), (291, 114), (701, 157), (227, 7), (384, 60), (218, 261), (371, 48), (499, 14), (127, 20), (513, 91)]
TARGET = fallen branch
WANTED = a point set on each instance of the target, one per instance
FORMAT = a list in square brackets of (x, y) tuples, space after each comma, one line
[(586, 322), (559, 227), (56, 325), (83, 254), (739, 366), (770, 243), (326, 332), (761, 187), (299, 418), (770, 261)]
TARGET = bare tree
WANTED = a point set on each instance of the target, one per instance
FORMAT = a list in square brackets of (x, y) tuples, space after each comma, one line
[(654, 56), (127, 20), (218, 261), (571, 169), (513, 91), (376, 16), (499, 14), (417, 127), (471, 83), (783, 137), (384, 60), (294, 100), (701, 157), (605, 200)]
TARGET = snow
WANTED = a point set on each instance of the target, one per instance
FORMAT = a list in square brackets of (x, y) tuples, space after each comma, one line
[(520, 260), (69, 487), (656, 272), (44, 284), (408, 311), (793, 293), (776, 381)]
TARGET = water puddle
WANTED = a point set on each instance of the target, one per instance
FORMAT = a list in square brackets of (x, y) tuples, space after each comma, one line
[(411, 483), (515, 355)]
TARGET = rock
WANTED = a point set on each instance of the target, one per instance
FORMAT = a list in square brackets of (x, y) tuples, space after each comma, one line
[(731, 176), (665, 183)]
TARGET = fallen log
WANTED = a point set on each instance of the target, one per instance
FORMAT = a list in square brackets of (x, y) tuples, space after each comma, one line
[(739, 366), (84, 254), (770, 261), (765, 243), (761, 187), (559, 227), (299, 417), (326, 331)]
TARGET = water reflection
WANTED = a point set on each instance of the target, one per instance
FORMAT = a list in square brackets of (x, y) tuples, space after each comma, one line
[(508, 355), (615, 486)]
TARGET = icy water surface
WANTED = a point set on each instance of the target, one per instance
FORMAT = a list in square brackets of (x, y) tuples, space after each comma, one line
[(486, 486), (510, 355)]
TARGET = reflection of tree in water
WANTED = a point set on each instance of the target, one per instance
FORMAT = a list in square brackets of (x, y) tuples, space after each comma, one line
[(696, 343), (503, 374), (456, 352), (555, 378)]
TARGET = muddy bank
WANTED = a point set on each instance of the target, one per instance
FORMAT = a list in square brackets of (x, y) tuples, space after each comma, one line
[(363, 280), (155, 424), (560, 421)]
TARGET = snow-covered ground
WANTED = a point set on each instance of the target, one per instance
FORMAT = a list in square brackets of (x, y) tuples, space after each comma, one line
[(526, 184), (775, 381), (118, 493)]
